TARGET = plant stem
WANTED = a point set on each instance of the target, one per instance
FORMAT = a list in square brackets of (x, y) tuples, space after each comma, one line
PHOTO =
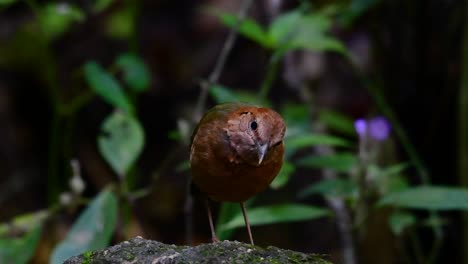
[(399, 131), (221, 61), (416, 160), (416, 247)]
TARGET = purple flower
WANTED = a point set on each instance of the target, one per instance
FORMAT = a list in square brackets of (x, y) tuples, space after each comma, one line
[(361, 127), (377, 128)]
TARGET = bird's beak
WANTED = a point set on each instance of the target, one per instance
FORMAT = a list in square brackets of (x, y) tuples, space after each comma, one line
[(262, 150)]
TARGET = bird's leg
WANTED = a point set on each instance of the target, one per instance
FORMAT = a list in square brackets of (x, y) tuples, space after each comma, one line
[(246, 220), (214, 238)]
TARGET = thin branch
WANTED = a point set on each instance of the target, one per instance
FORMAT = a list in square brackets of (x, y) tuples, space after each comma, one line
[(219, 66)]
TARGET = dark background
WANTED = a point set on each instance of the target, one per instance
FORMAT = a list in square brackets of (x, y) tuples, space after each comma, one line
[(413, 49)]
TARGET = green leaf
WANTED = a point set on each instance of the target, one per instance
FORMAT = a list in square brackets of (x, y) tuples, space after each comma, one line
[(400, 221), (356, 9), (248, 28), (226, 213), (330, 187), (341, 162), (296, 116), (309, 140), (20, 250), (56, 18), (121, 23), (136, 74), (394, 169), (91, 231), (435, 221), (222, 94), (101, 5), (7, 2), (295, 30), (428, 198), (183, 166), (337, 121), (106, 86), (25, 222), (282, 29), (389, 179), (277, 214), (121, 141), (283, 176)]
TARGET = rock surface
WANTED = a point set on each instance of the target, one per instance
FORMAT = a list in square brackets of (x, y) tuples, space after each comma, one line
[(139, 250)]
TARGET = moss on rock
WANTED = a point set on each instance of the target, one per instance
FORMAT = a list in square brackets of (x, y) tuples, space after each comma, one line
[(139, 250)]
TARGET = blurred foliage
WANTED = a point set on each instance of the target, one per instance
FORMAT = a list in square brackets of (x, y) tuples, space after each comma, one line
[(341, 162), (20, 250), (121, 141), (355, 159), (429, 198), (276, 214), (294, 30), (92, 230), (107, 87)]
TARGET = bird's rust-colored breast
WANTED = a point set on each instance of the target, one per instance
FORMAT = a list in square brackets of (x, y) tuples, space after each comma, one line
[(218, 169)]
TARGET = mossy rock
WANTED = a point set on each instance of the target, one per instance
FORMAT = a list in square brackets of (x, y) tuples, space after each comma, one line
[(139, 250)]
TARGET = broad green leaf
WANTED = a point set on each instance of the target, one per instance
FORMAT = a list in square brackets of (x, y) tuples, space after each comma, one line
[(330, 187), (394, 169), (309, 140), (297, 119), (101, 5), (121, 141), (91, 231), (296, 115), (277, 214), (25, 221), (283, 176), (136, 74), (282, 29), (391, 184), (337, 121), (106, 86), (399, 221), (429, 198), (222, 94), (389, 179), (296, 30), (56, 18), (248, 28), (341, 162), (226, 213), (20, 250)]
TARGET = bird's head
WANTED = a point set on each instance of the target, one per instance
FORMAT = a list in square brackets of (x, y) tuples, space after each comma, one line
[(254, 132)]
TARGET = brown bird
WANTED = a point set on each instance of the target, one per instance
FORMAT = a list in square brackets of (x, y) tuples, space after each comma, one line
[(236, 151)]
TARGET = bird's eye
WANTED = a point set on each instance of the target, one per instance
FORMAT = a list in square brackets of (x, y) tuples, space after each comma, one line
[(253, 125)]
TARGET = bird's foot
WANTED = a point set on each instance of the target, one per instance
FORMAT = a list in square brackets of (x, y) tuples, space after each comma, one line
[(215, 239)]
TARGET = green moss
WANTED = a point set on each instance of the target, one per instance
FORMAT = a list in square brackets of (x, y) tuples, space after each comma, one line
[(145, 251), (128, 256), (87, 257)]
